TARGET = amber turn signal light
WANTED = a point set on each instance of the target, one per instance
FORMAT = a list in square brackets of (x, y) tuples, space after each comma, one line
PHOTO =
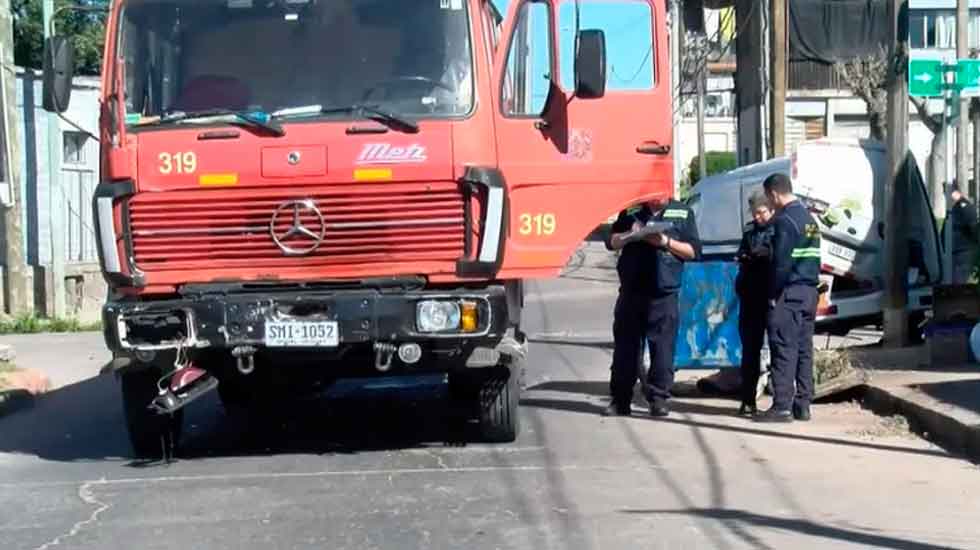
[(469, 317)]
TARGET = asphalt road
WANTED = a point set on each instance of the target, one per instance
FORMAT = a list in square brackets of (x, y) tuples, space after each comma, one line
[(378, 475)]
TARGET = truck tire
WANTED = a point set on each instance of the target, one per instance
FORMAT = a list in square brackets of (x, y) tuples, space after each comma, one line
[(151, 435), (499, 399)]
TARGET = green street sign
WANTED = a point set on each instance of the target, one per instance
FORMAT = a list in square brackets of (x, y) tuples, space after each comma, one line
[(926, 78), (968, 77)]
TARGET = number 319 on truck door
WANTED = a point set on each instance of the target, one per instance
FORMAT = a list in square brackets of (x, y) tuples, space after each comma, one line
[(537, 224)]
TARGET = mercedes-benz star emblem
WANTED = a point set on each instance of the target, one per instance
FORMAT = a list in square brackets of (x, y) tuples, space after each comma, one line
[(293, 158), (303, 235)]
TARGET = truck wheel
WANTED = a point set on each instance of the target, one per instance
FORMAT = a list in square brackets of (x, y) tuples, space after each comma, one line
[(234, 397), (151, 435), (499, 398)]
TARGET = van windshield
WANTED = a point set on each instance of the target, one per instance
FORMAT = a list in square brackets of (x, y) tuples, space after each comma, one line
[(411, 58)]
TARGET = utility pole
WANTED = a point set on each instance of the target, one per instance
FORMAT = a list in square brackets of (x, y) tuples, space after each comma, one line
[(748, 80), (56, 200), (778, 71), (702, 50), (895, 313), (18, 298), (963, 128)]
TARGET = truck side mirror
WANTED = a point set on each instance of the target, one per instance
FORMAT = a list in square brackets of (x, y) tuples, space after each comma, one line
[(59, 69), (590, 65)]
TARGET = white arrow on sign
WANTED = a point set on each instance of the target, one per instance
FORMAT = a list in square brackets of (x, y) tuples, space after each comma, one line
[(924, 77)]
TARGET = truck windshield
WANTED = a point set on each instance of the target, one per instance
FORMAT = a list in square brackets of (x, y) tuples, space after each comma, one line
[(410, 58)]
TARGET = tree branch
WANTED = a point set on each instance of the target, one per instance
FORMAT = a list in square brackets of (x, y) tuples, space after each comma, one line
[(935, 126)]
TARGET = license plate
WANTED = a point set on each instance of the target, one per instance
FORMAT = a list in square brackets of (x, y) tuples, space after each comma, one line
[(302, 334), (842, 252)]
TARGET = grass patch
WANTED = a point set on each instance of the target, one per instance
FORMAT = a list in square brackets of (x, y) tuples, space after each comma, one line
[(831, 364), (32, 324)]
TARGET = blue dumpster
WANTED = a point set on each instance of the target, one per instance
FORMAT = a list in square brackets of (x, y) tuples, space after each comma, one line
[(707, 331)]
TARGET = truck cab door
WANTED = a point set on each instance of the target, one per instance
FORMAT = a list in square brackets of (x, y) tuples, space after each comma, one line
[(571, 162)]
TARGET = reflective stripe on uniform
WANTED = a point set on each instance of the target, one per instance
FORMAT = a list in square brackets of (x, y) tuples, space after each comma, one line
[(813, 252), (675, 213)]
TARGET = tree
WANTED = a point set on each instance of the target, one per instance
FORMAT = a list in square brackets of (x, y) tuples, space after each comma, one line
[(867, 77), (87, 30), (936, 173)]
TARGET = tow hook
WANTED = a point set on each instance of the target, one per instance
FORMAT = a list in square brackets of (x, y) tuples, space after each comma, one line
[(383, 353), (246, 359), (181, 387)]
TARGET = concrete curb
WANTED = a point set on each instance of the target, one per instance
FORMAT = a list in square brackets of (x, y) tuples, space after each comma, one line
[(15, 400), (942, 429)]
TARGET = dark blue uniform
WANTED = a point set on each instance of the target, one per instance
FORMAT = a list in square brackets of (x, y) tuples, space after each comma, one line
[(793, 282), (752, 287), (964, 224), (646, 309)]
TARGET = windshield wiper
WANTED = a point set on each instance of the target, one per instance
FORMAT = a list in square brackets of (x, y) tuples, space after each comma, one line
[(253, 119), (359, 110)]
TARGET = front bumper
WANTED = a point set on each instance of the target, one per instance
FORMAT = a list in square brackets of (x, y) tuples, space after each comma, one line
[(233, 320)]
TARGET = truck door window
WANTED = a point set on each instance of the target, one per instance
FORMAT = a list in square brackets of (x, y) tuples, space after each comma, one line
[(528, 71), (630, 48)]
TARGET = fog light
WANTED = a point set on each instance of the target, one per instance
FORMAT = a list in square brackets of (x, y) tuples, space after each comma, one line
[(409, 353), (469, 318), (435, 316)]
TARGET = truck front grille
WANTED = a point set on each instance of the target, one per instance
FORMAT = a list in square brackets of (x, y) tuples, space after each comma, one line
[(361, 224)]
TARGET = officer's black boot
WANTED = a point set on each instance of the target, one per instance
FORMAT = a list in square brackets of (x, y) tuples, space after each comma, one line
[(801, 411), (615, 409), (659, 409), (774, 415), (748, 408)]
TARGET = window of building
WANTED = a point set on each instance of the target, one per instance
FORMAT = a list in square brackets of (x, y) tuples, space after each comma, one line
[(73, 150), (936, 29)]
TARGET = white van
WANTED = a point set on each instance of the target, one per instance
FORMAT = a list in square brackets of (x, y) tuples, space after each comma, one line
[(842, 182)]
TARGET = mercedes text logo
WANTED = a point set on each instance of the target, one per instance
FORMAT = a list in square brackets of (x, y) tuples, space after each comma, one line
[(293, 158), (303, 235)]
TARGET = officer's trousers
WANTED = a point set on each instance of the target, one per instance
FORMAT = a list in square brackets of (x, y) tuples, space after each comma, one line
[(639, 320), (752, 319), (962, 267), (791, 344)]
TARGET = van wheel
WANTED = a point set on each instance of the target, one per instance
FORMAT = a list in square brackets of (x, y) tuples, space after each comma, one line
[(151, 435)]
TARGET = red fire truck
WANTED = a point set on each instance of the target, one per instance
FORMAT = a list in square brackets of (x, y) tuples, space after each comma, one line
[(295, 192)]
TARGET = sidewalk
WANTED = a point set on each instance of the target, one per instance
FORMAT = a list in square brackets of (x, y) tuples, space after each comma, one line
[(49, 362), (941, 404)]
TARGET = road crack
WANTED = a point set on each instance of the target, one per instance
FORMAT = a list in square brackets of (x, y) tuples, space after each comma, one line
[(86, 495)]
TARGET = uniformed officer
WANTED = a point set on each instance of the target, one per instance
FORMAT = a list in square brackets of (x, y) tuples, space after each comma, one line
[(752, 289), (963, 216), (794, 272), (650, 276)]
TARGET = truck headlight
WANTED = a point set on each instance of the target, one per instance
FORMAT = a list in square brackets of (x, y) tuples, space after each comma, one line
[(437, 316)]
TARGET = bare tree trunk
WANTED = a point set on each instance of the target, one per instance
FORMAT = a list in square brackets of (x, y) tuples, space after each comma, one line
[(876, 123), (937, 174)]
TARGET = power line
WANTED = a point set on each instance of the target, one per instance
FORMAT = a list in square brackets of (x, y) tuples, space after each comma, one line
[(638, 71)]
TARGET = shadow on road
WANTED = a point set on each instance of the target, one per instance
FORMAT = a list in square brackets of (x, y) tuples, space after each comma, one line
[(960, 393), (798, 526), (601, 344), (85, 422)]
